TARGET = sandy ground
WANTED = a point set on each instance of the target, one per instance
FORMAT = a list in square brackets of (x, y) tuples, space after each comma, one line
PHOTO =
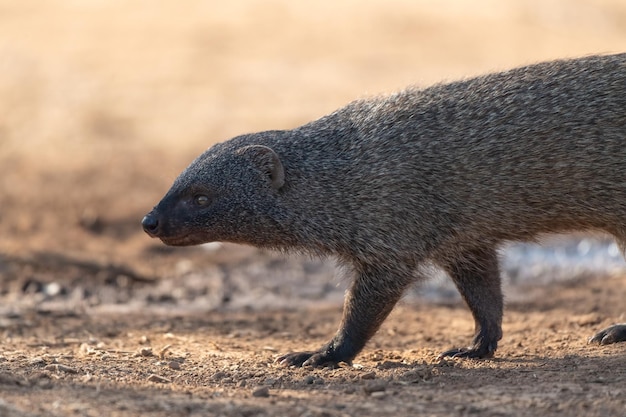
[(103, 103), (68, 362)]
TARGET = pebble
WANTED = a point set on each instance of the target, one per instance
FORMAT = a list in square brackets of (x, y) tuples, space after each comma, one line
[(145, 351), (261, 392), (174, 365), (376, 386), (60, 368), (219, 375), (53, 289), (159, 379), (37, 361), (85, 349), (369, 375), (270, 381)]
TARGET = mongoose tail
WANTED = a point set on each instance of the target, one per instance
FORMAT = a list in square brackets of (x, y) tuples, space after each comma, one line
[(443, 175)]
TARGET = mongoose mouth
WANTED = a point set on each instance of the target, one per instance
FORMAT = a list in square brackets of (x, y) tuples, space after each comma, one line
[(180, 240)]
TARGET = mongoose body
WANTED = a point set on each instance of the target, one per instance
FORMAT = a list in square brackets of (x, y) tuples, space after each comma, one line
[(441, 175)]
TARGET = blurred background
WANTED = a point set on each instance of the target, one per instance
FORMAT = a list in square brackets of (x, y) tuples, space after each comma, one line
[(103, 103)]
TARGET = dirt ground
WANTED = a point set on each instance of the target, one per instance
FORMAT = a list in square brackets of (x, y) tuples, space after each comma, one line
[(104, 103)]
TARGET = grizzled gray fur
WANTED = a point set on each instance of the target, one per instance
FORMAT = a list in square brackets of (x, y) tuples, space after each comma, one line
[(443, 175)]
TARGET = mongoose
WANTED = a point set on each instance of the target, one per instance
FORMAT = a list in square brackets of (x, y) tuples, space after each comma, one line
[(441, 175)]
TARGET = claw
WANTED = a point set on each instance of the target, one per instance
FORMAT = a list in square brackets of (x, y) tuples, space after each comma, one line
[(297, 359), (612, 334), (308, 359), (468, 353)]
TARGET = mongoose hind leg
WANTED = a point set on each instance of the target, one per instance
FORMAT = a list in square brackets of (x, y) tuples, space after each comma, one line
[(612, 334), (476, 275), (617, 332), (370, 299)]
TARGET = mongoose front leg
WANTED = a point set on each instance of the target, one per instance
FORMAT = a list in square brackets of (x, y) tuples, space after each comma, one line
[(476, 275), (612, 334), (368, 302)]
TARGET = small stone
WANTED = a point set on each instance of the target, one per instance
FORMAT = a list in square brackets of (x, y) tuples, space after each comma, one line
[(377, 386), (309, 379), (174, 365), (86, 349), (159, 379), (219, 375), (270, 381), (60, 368), (261, 392), (53, 289), (369, 375), (37, 361), (145, 351)]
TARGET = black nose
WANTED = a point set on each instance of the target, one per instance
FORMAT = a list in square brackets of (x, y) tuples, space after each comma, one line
[(150, 224)]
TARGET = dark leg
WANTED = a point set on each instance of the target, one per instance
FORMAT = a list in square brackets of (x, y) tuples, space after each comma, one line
[(368, 302), (612, 334), (477, 277)]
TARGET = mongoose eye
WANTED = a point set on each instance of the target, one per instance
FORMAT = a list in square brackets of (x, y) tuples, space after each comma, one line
[(201, 200)]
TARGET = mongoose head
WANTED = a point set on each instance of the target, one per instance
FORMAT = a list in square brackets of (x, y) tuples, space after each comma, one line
[(227, 194)]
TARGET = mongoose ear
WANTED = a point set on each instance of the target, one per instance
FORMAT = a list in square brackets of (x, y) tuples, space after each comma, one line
[(267, 161)]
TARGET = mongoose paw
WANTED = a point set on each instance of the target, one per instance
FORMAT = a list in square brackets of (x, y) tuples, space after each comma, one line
[(316, 359), (612, 334), (474, 352)]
